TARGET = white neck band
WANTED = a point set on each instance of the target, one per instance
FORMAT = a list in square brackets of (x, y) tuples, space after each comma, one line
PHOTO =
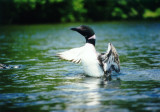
[(92, 37)]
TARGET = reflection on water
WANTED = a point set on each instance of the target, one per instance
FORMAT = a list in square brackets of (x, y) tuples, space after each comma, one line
[(45, 83)]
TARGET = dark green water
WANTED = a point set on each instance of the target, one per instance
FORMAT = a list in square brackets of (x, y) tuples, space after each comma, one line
[(45, 83)]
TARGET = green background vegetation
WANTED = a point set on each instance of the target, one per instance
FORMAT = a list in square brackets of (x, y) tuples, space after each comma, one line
[(52, 11)]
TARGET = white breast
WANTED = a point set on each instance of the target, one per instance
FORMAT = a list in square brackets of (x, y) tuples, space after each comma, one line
[(90, 62)]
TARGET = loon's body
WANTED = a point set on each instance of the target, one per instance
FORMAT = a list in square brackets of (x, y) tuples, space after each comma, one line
[(90, 61), (95, 64)]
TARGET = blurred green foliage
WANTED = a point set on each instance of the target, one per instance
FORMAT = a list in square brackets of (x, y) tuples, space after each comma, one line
[(44, 11)]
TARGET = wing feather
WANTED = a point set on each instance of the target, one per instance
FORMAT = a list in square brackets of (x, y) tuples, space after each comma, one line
[(73, 55), (110, 60)]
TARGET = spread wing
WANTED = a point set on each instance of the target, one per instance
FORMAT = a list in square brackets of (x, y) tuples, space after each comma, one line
[(73, 55), (110, 60)]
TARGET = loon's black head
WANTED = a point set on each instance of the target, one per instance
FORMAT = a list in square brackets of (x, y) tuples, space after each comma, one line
[(87, 32), (84, 30)]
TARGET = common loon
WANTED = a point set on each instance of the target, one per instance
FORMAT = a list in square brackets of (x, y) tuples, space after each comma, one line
[(95, 64)]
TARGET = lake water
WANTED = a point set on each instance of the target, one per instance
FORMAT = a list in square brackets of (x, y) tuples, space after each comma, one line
[(45, 83)]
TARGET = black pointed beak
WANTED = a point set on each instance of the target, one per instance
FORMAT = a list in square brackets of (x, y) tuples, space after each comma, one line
[(74, 29)]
